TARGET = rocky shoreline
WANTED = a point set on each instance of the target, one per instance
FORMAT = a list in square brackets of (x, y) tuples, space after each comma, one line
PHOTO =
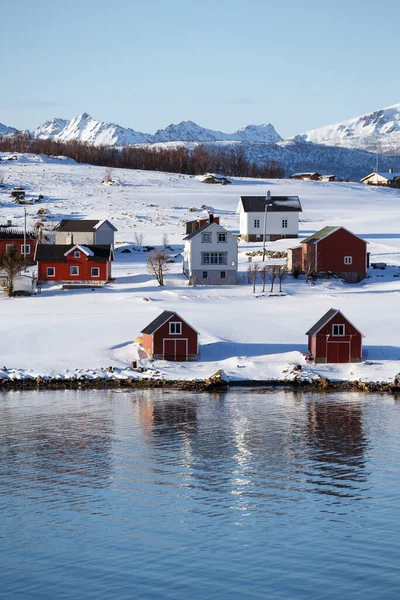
[(218, 381)]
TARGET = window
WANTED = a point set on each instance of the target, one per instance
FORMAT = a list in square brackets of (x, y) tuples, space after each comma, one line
[(74, 270), (175, 328), (337, 329), (284, 223), (256, 223), (50, 272), (95, 272), (214, 258), (348, 260), (206, 238), (77, 254), (221, 238), (25, 249), (205, 274), (223, 274)]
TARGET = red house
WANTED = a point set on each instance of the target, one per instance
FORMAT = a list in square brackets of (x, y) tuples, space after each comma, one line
[(15, 237), (74, 264), (333, 339), (336, 250), (169, 337)]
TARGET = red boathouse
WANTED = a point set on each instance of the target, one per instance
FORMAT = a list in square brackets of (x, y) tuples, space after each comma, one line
[(169, 337), (74, 263), (333, 339)]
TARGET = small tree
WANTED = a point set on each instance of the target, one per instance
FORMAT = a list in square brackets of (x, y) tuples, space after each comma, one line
[(12, 264), (309, 256), (264, 276), (138, 238), (272, 274), (157, 265), (282, 274), (165, 240), (108, 176), (252, 272)]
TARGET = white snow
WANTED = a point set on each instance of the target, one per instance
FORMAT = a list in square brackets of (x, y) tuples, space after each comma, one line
[(248, 336)]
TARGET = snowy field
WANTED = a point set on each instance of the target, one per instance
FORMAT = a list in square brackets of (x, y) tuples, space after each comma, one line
[(249, 336)]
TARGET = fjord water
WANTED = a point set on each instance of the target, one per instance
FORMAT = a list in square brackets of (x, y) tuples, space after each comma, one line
[(166, 494)]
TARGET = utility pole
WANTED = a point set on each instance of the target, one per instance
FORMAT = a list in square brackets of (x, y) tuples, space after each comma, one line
[(25, 238), (268, 198)]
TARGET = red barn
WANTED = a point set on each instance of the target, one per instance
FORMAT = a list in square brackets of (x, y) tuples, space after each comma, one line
[(74, 263), (169, 337), (15, 237), (333, 339), (338, 250)]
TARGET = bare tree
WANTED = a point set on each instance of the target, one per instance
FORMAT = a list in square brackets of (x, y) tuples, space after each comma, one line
[(264, 276), (309, 260), (138, 238), (272, 275), (165, 240), (157, 265), (12, 264), (252, 272), (282, 274)]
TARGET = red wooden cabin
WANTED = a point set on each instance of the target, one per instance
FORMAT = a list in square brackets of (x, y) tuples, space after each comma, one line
[(333, 339), (169, 337), (336, 250), (74, 263), (15, 237)]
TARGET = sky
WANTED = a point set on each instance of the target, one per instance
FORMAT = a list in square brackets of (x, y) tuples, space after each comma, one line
[(222, 63)]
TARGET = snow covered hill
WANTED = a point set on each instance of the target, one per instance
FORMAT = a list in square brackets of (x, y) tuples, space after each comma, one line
[(191, 132), (50, 129), (5, 130), (378, 131)]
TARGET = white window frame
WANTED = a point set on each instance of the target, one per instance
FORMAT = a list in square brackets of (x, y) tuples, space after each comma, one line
[(214, 258), (222, 234), (98, 271), (77, 271), (338, 325), (206, 237), (77, 254), (256, 224), (348, 260), (27, 249), (284, 223), (47, 272), (175, 328)]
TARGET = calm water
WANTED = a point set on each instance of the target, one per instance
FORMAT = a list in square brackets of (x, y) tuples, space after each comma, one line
[(248, 494)]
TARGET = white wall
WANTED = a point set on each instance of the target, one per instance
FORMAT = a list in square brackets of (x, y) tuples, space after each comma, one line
[(195, 246), (78, 237), (104, 235), (274, 223)]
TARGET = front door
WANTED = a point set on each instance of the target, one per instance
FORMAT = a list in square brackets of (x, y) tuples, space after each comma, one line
[(175, 349), (169, 349), (338, 352)]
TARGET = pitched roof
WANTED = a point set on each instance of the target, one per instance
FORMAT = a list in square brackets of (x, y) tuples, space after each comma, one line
[(326, 318), (196, 231), (76, 225), (388, 176), (158, 321), (275, 204), (7, 233), (58, 252), (318, 235)]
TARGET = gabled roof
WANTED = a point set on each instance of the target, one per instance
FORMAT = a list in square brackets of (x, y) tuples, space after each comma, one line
[(275, 204), (85, 249), (160, 320), (6, 233), (58, 252), (332, 312), (203, 228), (81, 225), (388, 176), (325, 231)]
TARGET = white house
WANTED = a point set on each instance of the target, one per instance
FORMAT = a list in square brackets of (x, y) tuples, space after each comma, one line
[(282, 214), (389, 179), (83, 231), (211, 255)]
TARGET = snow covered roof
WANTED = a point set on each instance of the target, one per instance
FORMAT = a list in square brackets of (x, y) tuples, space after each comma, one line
[(17, 234), (305, 174), (388, 176), (82, 225), (325, 319), (85, 249), (59, 251), (275, 204)]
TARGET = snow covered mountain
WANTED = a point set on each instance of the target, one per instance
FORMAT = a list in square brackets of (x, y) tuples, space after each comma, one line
[(265, 134), (187, 131), (378, 131), (5, 130), (50, 129)]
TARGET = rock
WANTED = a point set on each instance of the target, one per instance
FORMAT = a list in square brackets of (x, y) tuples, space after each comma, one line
[(219, 379)]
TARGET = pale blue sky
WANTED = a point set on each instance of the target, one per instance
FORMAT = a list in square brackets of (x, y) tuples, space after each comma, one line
[(220, 63)]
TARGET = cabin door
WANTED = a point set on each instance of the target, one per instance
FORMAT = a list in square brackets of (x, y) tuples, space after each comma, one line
[(169, 349), (175, 349), (338, 352)]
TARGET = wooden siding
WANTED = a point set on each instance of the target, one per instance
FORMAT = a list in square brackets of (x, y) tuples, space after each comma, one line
[(163, 345), (325, 347)]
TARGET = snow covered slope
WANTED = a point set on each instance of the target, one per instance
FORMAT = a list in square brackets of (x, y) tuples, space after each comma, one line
[(378, 131), (5, 130), (50, 129), (86, 129), (191, 132)]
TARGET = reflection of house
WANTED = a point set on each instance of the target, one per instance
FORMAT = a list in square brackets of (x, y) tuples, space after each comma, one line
[(74, 264), (15, 237), (389, 179), (333, 339), (282, 214), (211, 255), (169, 337), (336, 250), (81, 231)]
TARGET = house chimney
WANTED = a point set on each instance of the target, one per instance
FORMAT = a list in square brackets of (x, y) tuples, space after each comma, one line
[(268, 195), (211, 218), (9, 222), (390, 170)]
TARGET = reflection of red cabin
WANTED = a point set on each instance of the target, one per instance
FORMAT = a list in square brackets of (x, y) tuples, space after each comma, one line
[(333, 339), (169, 337), (74, 263)]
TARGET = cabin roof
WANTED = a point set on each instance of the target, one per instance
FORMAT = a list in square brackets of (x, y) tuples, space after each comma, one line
[(275, 204), (81, 225), (58, 252), (388, 176), (158, 321), (318, 235), (332, 312)]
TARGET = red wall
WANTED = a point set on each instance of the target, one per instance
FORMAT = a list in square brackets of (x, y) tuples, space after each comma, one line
[(318, 346), (163, 333), (18, 243), (62, 270), (332, 250)]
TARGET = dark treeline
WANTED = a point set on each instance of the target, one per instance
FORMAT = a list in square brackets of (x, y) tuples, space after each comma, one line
[(191, 161)]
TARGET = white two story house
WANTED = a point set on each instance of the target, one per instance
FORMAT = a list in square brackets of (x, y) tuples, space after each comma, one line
[(282, 213), (211, 255)]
